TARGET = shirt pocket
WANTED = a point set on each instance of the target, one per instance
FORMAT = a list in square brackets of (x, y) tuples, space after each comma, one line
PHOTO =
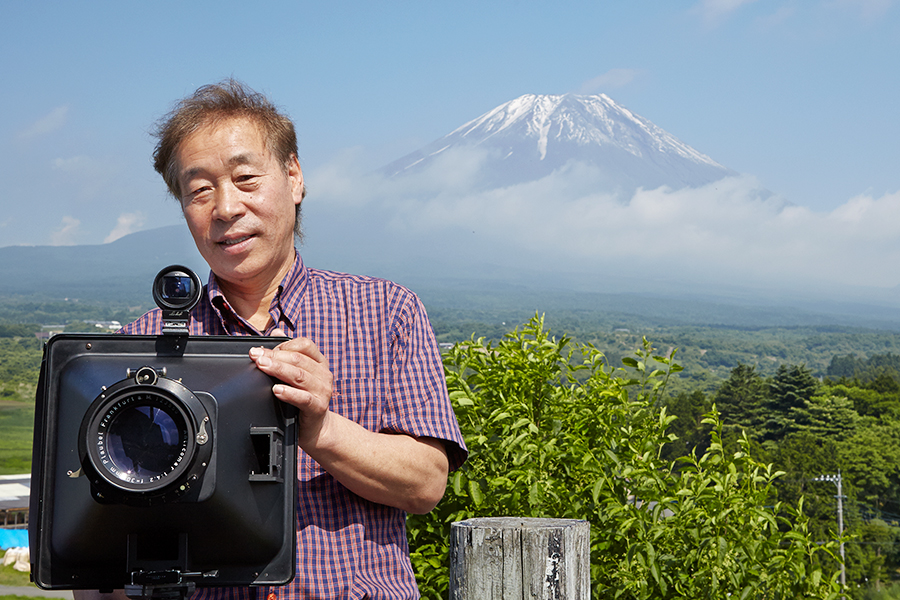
[(360, 400)]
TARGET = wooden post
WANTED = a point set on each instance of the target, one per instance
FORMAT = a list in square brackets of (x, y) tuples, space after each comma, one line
[(512, 558)]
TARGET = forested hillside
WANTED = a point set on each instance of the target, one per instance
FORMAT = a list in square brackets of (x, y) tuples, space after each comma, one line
[(708, 352), (847, 426)]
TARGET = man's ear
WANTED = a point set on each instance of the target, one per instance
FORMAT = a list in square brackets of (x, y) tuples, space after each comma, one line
[(295, 173)]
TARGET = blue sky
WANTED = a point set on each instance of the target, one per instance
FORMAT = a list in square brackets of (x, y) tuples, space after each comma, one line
[(800, 95)]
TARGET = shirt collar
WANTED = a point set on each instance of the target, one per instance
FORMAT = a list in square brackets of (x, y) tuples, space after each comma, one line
[(284, 309)]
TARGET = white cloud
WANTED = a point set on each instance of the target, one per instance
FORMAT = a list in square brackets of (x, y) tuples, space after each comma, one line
[(869, 10), (49, 123), (126, 223), (65, 234), (714, 11), (343, 183), (781, 16), (728, 232), (76, 164), (87, 175), (612, 79)]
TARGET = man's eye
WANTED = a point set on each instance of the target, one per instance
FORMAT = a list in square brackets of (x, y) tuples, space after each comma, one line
[(195, 194)]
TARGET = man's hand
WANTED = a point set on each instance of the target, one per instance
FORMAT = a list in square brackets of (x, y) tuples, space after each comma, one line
[(393, 469), (307, 382)]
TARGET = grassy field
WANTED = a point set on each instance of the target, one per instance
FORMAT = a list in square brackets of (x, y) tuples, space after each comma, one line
[(16, 423), (9, 576)]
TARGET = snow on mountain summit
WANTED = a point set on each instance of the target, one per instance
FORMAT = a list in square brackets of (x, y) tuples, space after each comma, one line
[(534, 135)]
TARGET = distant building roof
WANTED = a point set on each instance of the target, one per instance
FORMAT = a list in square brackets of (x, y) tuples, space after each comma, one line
[(14, 491)]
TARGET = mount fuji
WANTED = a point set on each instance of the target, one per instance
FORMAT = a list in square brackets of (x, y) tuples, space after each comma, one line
[(532, 136), (545, 190)]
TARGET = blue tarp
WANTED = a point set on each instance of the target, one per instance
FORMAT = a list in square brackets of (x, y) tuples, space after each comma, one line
[(13, 538)]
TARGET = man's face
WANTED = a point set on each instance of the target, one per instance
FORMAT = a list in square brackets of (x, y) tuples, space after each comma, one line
[(239, 202)]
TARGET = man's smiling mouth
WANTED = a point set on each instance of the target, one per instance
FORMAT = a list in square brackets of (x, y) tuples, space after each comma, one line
[(235, 241)]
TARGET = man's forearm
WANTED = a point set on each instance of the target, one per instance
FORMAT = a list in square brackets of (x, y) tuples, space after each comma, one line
[(397, 470), (394, 469)]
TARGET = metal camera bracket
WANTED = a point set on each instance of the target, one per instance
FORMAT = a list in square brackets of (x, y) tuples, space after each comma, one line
[(159, 585)]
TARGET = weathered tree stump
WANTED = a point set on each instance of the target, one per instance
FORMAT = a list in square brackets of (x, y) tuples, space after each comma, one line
[(514, 558)]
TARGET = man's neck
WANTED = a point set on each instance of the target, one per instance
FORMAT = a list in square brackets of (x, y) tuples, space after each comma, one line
[(253, 307), (252, 302)]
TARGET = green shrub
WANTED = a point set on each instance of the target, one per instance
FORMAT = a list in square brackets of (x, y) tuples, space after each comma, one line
[(553, 431)]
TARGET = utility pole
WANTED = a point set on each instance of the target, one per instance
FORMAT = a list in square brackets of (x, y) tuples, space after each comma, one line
[(836, 480)]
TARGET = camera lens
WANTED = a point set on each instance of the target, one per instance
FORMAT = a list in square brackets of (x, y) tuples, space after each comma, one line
[(143, 440), (177, 288), (146, 439)]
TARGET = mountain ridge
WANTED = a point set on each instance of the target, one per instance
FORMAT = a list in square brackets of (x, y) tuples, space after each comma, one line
[(124, 268), (533, 135), (123, 271)]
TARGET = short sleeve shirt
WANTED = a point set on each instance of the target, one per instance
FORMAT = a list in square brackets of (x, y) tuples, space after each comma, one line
[(388, 377)]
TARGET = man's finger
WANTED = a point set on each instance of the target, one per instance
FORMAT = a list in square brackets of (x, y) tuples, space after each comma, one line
[(302, 345)]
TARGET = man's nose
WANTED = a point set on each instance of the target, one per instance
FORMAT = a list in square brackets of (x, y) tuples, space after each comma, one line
[(229, 203)]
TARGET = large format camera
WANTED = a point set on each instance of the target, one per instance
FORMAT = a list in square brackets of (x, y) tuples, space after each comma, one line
[(161, 463)]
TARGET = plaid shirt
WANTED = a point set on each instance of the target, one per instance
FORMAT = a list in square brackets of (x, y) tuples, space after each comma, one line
[(388, 377)]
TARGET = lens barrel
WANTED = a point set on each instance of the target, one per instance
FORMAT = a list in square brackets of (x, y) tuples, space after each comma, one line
[(177, 288), (146, 440)]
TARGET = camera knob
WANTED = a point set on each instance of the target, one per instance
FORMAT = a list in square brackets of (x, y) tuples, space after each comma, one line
[(146, 375)]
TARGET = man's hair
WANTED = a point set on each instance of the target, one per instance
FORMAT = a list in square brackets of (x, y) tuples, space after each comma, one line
[(210, 105)]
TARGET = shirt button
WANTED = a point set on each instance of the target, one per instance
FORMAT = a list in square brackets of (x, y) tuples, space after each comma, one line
[(272, 596)]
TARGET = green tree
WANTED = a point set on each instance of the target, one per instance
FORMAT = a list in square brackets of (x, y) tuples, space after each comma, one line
[(18, 329), (78, 327), (847, 366), (866, 401), (827, 415), (873, 554), (870, 460), (805, 456), (740, 400), (868, 457), (884, 381), (791, 388)]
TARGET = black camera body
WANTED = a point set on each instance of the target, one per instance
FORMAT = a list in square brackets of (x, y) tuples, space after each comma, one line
[(161, 462)]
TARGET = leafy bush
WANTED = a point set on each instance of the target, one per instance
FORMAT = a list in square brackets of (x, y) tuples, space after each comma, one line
[(553, 431)]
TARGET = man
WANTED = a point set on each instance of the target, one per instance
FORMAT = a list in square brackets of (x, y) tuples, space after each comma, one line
[(377, 432)]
